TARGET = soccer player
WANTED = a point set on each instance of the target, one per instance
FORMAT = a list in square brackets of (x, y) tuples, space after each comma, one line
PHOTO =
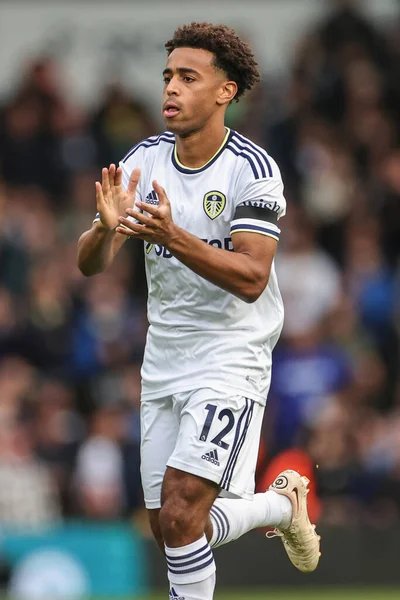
[(206, 202)]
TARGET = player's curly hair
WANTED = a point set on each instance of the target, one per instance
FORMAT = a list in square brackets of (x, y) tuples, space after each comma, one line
[(232, 55)]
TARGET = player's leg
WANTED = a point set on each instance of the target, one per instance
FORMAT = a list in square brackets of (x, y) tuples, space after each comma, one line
[(186, 503), (231, 518), (241, 510), (218, 441), (283, 505), (190, 488), (159, 432), (217, 446)]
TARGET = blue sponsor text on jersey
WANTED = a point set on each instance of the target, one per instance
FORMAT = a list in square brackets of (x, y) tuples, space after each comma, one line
[(225, 244)]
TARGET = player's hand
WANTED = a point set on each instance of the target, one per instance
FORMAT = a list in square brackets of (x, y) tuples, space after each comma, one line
[(111, 198), (157, 226)]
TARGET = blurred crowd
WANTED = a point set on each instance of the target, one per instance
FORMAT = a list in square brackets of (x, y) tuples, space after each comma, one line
[(71, 347)]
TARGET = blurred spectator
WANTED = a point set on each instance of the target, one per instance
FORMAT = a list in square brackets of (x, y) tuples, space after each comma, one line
[(309, 280), (119, 123), (332, 447), (99, 470), (370, 282), (388, 205), (108, 327), (58, 431), (28, 497), (307, 370), (42, 81)]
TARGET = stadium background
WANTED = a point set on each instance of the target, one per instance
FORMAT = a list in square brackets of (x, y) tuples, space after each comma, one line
[(79, 85)]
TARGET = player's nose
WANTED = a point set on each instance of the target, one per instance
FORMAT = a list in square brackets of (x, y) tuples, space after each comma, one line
[(172, 88)]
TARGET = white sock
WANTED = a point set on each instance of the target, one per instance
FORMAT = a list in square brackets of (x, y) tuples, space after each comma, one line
[(191, 571), (232, 518), (202, 590)]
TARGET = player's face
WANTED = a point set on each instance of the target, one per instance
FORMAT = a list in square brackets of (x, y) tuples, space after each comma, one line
[(193, 90)]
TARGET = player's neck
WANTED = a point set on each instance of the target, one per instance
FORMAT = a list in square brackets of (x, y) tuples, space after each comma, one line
[(197, 149)]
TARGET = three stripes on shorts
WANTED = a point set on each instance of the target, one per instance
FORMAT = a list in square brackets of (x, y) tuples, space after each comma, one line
[(238, 442)]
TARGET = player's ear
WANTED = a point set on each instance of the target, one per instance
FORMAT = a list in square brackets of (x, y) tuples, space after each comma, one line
[(227, 93)]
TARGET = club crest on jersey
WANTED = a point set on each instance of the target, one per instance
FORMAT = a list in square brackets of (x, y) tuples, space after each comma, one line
[(213, 204)]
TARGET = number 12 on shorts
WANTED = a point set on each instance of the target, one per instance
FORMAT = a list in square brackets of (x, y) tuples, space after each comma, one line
[(225, 413)]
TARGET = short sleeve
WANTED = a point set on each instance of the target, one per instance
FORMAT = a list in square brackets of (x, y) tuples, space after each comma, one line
[(133, 160), (259, 205)]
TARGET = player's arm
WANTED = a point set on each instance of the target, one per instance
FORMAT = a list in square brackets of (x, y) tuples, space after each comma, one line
[(244, 273), (98, 246)]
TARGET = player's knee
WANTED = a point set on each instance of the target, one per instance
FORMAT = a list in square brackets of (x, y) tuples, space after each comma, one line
[(186, 502), (177, 518)]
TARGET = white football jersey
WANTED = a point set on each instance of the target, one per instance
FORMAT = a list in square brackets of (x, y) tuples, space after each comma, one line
[(201, 336)]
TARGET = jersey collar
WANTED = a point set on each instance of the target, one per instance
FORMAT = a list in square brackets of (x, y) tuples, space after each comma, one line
[(178, 165)]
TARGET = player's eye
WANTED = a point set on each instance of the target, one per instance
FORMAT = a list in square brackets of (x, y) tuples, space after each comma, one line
[(166, 79), (188, 79)]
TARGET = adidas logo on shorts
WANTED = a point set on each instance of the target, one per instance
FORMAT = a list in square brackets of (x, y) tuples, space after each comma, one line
[(211, 457), (174, 596)]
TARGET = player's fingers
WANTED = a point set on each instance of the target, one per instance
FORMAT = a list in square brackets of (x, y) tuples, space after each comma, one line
[(138, 235), (105, 182), (118, 177), (139, 216), (133, 181), (131, 229), (130, 224), (99, 194), (161, 193), (143, 206), (111, 175), (125, 231)]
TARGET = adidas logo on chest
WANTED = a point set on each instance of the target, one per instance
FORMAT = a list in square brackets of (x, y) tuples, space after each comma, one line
[(151, 198)]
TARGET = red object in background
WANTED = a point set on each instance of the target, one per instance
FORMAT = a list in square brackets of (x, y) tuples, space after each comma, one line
[(299, 461)]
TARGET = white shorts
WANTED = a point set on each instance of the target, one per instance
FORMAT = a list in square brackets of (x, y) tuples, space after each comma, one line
[(203, 432)]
